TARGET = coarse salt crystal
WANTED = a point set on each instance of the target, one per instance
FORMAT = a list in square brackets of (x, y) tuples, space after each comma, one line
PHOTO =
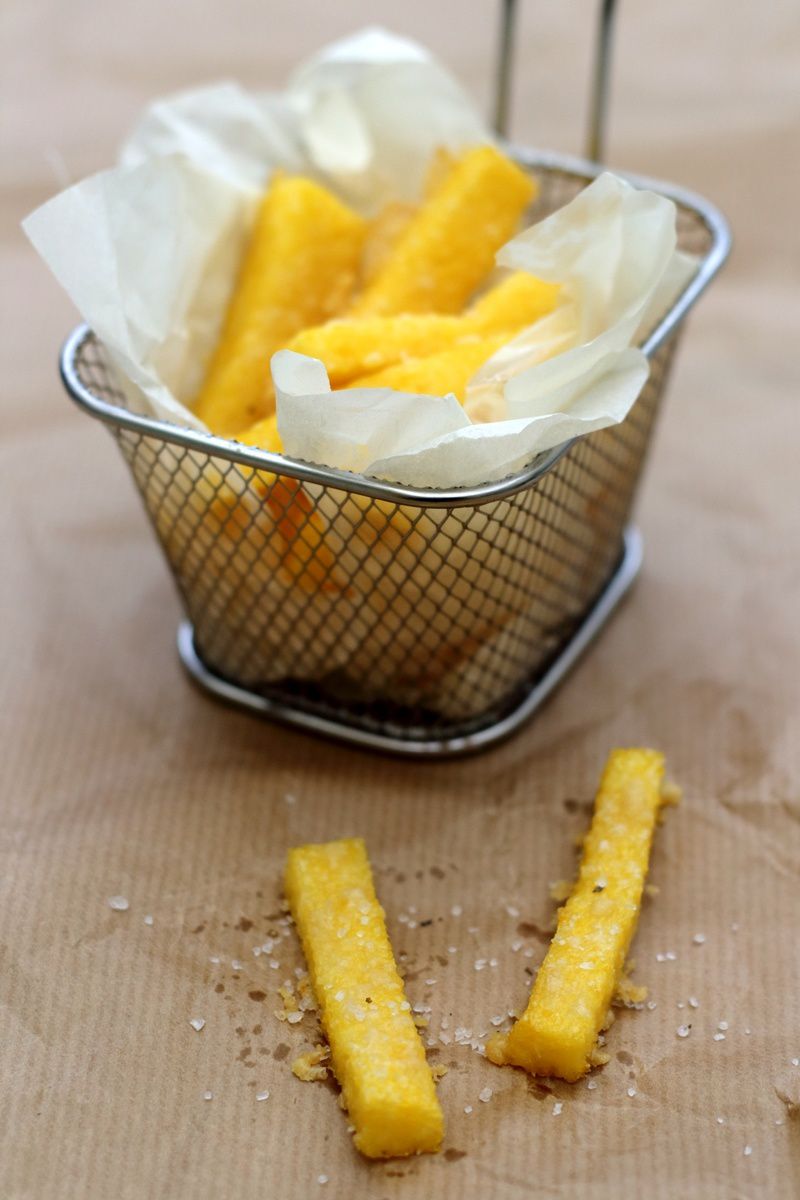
[(592, 1084), (796, 1062), (485, 1095), (148, 920), (456, 910), (694, 1002), (467, 1108), (527, 952), (698, 939), (273, 962), (197, 1023), (480, 963), (493, 962), (651, 1004), (322, 1179), (720, 1120), (557, 1108), (118, 903), (632, 1092), (208, 1095), (235, 964), (430, 982), (723, 1025), (670, 956), (472, 929), (719, 1037), (681, 1004), (512, 911), (214, 958), (517, 945), (262, 1095), (683, 1031), (748, 1150)]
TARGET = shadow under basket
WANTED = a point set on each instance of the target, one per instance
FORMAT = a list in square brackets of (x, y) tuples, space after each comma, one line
[(423, 622)]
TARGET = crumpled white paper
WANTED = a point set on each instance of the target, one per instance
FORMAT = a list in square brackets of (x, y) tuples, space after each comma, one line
[(148, 251)]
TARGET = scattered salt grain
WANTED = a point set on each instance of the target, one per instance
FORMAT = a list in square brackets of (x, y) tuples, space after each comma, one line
[(480, 963), (197, 1023), (467, 1108), (517, 945), (557, 1108), (214, 958), (683, 1031), (208, 1095), (592, 1084), (723, 1025), (719, 1037), (485, 1095), (698, 939), (235, 964), (452, 949), (528, 952), (430, 982), (456, 910), (651, 1004), (694, 1002), (796, 1062), (670, 956), (720, 1120), (273, 962), (632, 1092), (322, 1179), (262, 1095), (118, 903), (681, 1004), (748, 1031), (512, 911), (748, 1150), (493, 962), (148, 920)]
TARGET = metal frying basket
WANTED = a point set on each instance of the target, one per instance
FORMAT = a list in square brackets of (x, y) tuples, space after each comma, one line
[(425, 622)]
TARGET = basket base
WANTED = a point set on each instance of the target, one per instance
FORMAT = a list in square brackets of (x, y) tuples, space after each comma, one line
[(434, 747)]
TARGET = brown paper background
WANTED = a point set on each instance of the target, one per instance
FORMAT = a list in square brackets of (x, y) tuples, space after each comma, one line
[(119, 778)]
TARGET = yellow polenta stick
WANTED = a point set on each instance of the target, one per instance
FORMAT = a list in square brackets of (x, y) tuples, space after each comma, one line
[(299, 269), (354, 346), (376, 1051), (570, 999), (438, 374), (518, 300), (448, 248)]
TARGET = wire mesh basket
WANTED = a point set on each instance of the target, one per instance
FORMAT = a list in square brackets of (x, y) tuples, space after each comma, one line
[(421, 621)]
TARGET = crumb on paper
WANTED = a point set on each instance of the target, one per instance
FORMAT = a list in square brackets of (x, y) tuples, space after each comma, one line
[(310, 1067), (118, 903), (560, 890), (628, 994), (438, 1071), (671, 793)]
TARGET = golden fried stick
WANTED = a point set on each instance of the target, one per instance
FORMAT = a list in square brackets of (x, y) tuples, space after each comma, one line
[(376, 1051), (438, 374), (449, 246), (569, 1003), (299, 269)]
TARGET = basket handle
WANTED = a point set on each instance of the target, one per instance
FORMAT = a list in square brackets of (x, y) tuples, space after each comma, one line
[(598, 100)]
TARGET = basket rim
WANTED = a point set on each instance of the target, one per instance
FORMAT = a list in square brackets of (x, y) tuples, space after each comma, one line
[(349, 481)]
